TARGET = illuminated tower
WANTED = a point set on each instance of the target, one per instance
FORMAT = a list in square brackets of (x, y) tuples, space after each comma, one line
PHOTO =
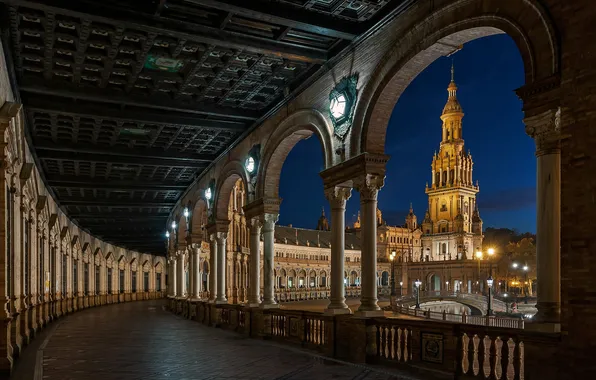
[(450, 231)]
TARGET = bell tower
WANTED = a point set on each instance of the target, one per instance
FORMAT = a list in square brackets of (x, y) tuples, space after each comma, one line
[(452, 193)]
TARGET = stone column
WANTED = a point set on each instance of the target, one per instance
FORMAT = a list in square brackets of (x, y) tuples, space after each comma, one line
[(191, 273), (337, 197), (254, 294), (269, 221), (213, 268), (174, 280), (221, 267), (368, 186), (545, 129), (180, 276), (197, 273)]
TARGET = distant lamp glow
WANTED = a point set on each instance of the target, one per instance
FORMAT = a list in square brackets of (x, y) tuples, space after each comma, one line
[(401, 283), (392, 256), (446, 282), (515, 265), (417, 283), (526, 268), (478, 255), (505, 295), (338, 106), (491, 251), (167, 234), (250, 164), (186, 212), (173, 225), (208, 194)]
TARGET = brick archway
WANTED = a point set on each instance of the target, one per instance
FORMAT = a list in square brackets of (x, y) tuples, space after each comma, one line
[(298, 126), (437, 35)]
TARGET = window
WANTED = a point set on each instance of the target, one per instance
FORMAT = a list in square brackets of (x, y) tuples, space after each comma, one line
[(109, 280), (53, 281), (158, 285), (134, 281), (40, 265), (75, 278), (444, 207), (97, 279), (86, 279), (121, 281), (64, 275), (9, 222), (26, 255), (146, 281)]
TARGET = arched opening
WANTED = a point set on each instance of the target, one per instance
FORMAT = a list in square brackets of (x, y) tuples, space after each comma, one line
[(385, 278), (291, 279), (439, 34)]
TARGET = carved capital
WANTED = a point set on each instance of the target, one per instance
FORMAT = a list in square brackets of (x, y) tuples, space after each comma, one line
[(545, 129), (268, 221), (369, 186), (221, 237), (337, 196), (255, 226)]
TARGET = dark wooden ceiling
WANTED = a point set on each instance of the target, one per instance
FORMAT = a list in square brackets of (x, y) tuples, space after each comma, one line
[(127, 102)]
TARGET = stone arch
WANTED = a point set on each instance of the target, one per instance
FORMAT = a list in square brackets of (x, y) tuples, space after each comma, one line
[(198, 217), (298, 126), (230, 174), (435, 35), (181, 230)]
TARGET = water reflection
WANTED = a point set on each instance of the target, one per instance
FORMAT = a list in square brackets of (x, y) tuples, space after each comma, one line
[(449, 307)]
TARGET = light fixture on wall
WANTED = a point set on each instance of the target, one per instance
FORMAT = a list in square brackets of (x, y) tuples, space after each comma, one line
[(342, 101), (186, 213), (173, 225), (167, 234), (208, 194), (250, 165)]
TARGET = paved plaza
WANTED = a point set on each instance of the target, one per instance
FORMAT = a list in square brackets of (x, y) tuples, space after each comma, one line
[(141, 340)]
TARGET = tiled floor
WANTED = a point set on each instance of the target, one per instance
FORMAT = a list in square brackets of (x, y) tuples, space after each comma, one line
[(140, 340)]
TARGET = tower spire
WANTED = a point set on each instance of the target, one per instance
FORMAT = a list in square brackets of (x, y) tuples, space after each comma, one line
[(452, 71)]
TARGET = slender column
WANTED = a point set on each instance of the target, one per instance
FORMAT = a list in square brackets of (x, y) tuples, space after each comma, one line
[(192, 291), (337, 198), (221, 267), (180, 275), (545, 129), (254, 294), (269, 221), (197, 273), (213, 268), (174, 280), (368, 187)]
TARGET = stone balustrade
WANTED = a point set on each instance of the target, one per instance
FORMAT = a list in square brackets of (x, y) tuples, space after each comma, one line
[(450, 349)]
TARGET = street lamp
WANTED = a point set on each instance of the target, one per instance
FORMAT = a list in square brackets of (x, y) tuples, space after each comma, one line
[(479, 257), (525, 268), (401, 284), (447, 286), (392, 258), (491, 252), (489, 282), (417, 283)]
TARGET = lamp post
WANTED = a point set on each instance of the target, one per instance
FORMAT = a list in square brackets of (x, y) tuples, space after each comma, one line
[(489, 282), (478, 257), (392, 258), (525, 268), (514, 266), (401, 284), (491, 252), (417, 283)]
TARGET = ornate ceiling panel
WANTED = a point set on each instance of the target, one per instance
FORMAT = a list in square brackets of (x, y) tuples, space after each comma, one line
[(127, 102)]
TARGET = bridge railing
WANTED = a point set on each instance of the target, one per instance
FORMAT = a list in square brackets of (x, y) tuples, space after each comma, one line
[(480, 320)]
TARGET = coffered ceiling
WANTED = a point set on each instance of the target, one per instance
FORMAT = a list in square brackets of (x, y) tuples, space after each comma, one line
[(127, 102)]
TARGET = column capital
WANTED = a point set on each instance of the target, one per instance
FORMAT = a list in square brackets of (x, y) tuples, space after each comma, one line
[(337, 196), (255, 225), (545, 129), (221, 237), (369, 185), (268, 221)]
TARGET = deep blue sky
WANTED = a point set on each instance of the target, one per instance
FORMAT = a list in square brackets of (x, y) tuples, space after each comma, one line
[(487, 71)]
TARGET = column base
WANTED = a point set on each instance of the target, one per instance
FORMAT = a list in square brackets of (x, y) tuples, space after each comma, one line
[(253, 304), (342, 311), (221, 302), (269, 306), (369, 313)]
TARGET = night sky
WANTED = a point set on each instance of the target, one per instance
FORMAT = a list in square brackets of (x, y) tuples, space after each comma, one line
[(487, 71)]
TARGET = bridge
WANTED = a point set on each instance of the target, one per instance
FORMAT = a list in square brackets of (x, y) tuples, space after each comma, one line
[(476, 302)]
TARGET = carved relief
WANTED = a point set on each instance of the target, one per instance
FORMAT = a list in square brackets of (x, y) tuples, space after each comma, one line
[(545, 129)]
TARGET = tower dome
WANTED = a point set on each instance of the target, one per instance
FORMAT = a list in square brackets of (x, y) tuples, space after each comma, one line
[(452, 105)]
